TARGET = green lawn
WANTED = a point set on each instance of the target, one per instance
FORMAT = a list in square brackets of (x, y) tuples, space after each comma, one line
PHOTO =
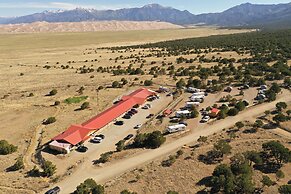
[(75, 99)]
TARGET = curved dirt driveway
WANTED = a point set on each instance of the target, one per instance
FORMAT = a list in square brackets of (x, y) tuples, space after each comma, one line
[(112, 170)]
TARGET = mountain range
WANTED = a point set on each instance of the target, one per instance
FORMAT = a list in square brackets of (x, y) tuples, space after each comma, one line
[(244, 15)]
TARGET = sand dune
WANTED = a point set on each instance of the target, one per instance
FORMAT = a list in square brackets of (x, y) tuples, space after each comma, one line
[(85, 26)]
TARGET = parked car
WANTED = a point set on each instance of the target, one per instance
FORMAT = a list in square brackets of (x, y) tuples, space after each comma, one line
[(205, 119), (128, 137), (130, 113), (119, 123), (96, 139), (147, 106), (54, 190), (126, 116), (134, 110), (183, 123), (138, 126), (82, 148), (204, 112), (150, 116), (101, 136), (169, 94)]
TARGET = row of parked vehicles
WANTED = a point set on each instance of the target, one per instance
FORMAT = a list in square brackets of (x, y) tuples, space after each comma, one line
[(130, 113)]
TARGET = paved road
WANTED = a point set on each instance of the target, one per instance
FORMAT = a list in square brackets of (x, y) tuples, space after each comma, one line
[(112, 170)]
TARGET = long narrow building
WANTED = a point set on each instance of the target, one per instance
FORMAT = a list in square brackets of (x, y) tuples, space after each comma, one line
[(77, 134)]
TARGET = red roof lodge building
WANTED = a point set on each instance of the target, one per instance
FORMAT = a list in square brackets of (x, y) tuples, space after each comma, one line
[(77, 134)]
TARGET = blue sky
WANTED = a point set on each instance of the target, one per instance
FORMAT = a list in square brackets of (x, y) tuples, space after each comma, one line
[(23, 7)]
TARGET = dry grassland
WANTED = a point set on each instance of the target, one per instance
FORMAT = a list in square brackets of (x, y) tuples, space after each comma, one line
[(22, 61)]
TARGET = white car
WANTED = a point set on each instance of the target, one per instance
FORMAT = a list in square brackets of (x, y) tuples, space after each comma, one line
[(96, 140), (138, 126), (205, 119), (147, 106)]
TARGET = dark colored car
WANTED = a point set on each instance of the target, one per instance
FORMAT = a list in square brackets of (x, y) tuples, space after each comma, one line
[(128, 137), (82, 149), (126, 116), (134, 110), (130, 113), (54, 190), (119, 123), (150, 116)]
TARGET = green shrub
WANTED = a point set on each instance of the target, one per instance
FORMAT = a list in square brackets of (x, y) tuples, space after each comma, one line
[(280, 174), (148, 82), (57, 103), (53, 92), (155, 139), (202, 139), (115, 84), (179, 153), (222, 146), (285, 189), (34, 172), (239, 125), (89, 186), (84, 105), (49, 169), (149, 140), (259, 123), (233, 112), (104, 157), (6, 148), (266, 181), (18, 164), (127, 192), (169, 162), (49, 120), (120, 145)]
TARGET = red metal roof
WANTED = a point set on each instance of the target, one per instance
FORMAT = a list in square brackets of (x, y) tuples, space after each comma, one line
[(110, 114), (78, 133), (74, 134), (127, 102), (215, 110), (168, 111)]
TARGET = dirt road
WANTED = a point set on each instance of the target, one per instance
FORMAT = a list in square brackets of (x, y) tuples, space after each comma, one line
[(115, 169)]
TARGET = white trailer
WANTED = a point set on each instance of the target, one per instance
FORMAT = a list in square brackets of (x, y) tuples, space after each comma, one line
[(176, 128), (181, 113), (190, 104), (193, 90), (198, 94), (197, 98)]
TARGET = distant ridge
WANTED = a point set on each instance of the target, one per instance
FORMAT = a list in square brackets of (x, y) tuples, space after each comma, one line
[(244, 15)]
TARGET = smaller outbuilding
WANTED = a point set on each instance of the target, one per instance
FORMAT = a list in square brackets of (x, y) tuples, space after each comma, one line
[(167, 112), (214, 112), (61, 147)]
